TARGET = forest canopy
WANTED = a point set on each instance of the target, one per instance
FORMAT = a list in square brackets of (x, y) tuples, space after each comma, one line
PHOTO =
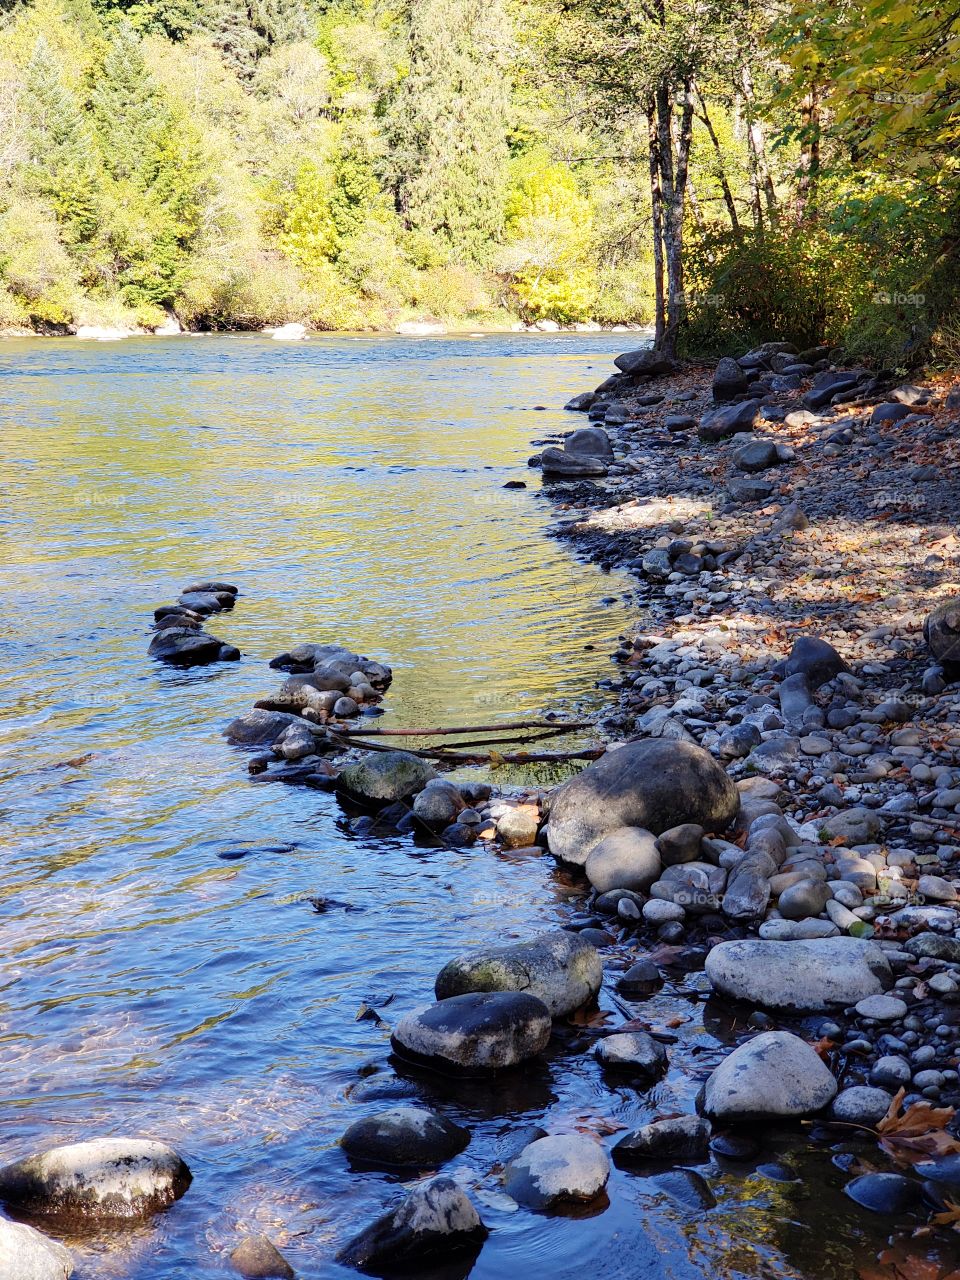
[(729, 171)]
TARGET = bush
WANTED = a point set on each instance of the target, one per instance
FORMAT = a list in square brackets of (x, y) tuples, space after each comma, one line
[(451, 293)]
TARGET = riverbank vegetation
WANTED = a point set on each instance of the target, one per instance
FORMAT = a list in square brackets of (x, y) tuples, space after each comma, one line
[(728, 172)]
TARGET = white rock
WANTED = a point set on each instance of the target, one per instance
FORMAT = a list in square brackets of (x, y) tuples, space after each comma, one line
[(774, 1075), (289, 333), (557, 1169), (818, 974), (882, 1008), (25, 1254)]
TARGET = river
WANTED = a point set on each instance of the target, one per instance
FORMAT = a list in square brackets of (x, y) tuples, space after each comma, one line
[(150, 985)]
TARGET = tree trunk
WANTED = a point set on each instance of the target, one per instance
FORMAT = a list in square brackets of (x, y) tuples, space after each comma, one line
[(674, 184), (656, 213), (721, 170), (757, 143), (809, 178)]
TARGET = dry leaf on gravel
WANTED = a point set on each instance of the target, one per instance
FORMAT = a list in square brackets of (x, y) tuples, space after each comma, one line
[(917, 1133)]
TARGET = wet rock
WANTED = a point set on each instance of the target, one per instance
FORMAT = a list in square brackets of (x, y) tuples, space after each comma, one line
[(25, 1254), (438, 804), (944, 1171), (727, 421), (556, 1170), (680, 844), (655, 784), (558, 462), (685, 1138), (475, 1032), (590, 441), (257, 728), (436, 1220), (860, 1104), (882, 1008), (404, 1137), (104, 1179), (645, 363), (816, 975), (581, 403), (184, 647), (627, 858), (383, 777), (640, 980), (560, 968), (775, 1075), (813, 658), (257, 1256), (884, 1192), (891, 1071), (517, 827), (634, 1052)]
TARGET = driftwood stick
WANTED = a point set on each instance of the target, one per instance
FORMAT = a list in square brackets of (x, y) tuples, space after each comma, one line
[(446, 755), (555, 725)]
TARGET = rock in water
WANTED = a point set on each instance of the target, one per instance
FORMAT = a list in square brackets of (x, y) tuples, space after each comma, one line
[(775, 1075), (942, 632), (435, 1221), (592, 441), (383, 777), (259, 728), (108, 1178), (25, 1254), (558, 462), (555, 1170), (476, 1032), (183, 647), (655, 784), (819, 974), (884, 1192), (256, 1257), (684, 1138), (404, 1137), (633, 1052), (560, 968), (627, 858)]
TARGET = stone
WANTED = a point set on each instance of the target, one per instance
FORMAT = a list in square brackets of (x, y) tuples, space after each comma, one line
[(438, 804), (680, 844), (560, 968), (558, 462), (25, 1254), (657, 912), (894, 412), (776, 1075), (944, 1170), (748, 893), (935, 946), (517, 827), (828, 384), (641, 979), (719, 423), (581, 403), (184, 647), (758, 455), (627, 858), (891, 1071), (404, 1137), (813, 658), (103, 1179), (436, 1220), (729, 380), (937, 889), (257, 1256), (819, 974), (797, 930), (634, 1052), (941, 631), (476, 1032), (645, 363), (860, 1104), (259, 728), (882, 1008), (556, 1170), (590, 441), (806, 898), (683, 1139), (655, 784), (383, 777), (857, 826), (884, 1192), (748, 489)]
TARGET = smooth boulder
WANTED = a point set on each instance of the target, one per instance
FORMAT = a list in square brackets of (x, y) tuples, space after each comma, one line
[(627, 858), (436, 1220), (404, 1137), (556, 1170), (107, 1178), (819, 974), (560, 968), (941, 631), (480, 1032), (813, 658), (257, 1258), (25, 1254), (383, 777), (259, 727), (776, 1075), (558, 462), (655, 784), (681, 1138)]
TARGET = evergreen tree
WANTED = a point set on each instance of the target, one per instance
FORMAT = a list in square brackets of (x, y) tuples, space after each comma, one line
[(247, 30), (449, 123), (126, 107)]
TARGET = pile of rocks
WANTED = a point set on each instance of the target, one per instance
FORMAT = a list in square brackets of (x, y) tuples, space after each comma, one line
[(179, 638)]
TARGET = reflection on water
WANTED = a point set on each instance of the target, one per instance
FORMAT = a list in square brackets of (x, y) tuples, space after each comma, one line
[(147, 986)]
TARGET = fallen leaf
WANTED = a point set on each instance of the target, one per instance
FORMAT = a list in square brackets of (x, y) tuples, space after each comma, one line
[(917, 1133)]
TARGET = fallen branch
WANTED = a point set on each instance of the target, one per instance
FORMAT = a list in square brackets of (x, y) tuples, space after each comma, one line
[(445, 755), (554, 725)]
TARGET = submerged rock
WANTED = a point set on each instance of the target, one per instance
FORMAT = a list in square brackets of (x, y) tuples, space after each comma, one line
[(436, 1220), (655, 784), (557, 1169), (683, 1138), (559, 968), (410, 1137), (476, 1032), (107, 1178), (383, 777), (821, 973), (256, 1257), (884, 1192), (775, 1075)]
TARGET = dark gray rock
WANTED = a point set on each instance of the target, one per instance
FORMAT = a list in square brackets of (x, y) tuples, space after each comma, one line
[(257, 728), (383, 777), (889, 413), (559, 968), (758, 455), (404, 1137), (633, 1053), (685, 1138), (646, 363), (942, 633), (184, 647), (436, 1220), (257, 1257), (813, 658), (558, 462), (590, 441), (888, 1193), (475, 1033), (729, 380), (727, 421)]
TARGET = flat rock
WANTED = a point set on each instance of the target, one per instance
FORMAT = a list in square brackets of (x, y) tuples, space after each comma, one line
[(104, 1179), (557, 462), (436, 1220), (560, 968), (728, 420), (814, 975), (776, 1075), (259, 728), (556, 1170), (887, 1193), (25, 1254), (655, 784), (860, 1104), (475, 1033), (813, 658), (404, 1137), (882, 1008)]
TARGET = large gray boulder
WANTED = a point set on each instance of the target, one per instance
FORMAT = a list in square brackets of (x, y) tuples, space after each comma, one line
[(819, 974), (107, 1178), (25, 1254), (774, 1076), (942, 632), (437, 1220), (557, 462), (383, 777), (590, 441), (259, 727), (558, 1169), (479, 1033), (645, 363), (404, 1137), (655, 784), (729, 380), (560, 968)]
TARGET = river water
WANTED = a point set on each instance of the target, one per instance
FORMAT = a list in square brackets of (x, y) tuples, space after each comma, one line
[(150, 985)]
